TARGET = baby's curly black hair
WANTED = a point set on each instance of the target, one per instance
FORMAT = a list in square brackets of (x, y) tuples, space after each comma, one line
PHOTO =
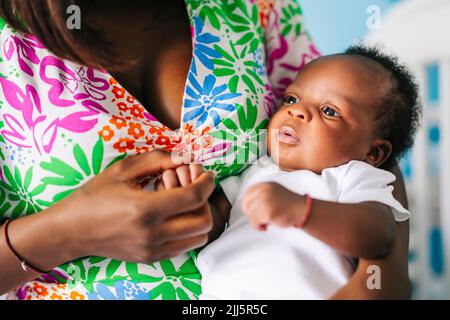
[(399, 117)]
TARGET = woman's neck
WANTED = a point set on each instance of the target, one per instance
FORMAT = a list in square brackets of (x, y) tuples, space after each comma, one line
[(142, 32), (157, 38)]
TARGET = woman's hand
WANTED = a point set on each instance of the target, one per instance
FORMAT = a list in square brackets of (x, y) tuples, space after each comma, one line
[(112, 216)]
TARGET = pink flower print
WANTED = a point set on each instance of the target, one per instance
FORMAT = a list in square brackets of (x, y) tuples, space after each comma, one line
[(276, 45), (270, 104), (283, 83), (26, 51), (15, 130), (82, 85), (28, 128)]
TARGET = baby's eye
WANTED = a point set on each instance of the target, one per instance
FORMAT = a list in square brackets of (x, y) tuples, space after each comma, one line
[(329, 112), (290, 100)]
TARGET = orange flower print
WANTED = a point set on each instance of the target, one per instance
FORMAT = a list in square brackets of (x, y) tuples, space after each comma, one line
[(124, 144), (131, 99), (76, 296), (55, 296), (122, 106), (157, 130), (163, 140), (119, 93), (112, 81), (141, 150), (137, 111), (118, 122), (40, 290), (106, 133), (265, 8), (135, 130)]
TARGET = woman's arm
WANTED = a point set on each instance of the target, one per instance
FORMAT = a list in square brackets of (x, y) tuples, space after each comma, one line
[(111, 216), (42, 238), (394, 276)]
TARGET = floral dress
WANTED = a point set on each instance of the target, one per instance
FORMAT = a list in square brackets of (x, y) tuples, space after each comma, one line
[(61, 124)]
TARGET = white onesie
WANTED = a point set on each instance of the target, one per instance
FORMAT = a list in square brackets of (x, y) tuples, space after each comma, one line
[(287, 263)]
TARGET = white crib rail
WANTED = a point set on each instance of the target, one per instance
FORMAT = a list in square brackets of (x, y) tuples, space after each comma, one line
[(430, 286), (444, 83)]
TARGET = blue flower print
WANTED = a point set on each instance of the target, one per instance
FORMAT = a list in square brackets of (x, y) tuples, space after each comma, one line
[(122, 290), (202, 49), (206, 101)]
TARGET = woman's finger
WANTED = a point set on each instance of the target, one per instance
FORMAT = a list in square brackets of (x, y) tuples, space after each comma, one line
[(167, 203), (186, 226), (144, 165), (169, 179)]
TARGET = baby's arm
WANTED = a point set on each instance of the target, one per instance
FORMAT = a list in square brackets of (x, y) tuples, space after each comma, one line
[(364, 230)]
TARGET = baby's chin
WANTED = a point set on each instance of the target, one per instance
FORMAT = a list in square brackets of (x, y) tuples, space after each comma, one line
[(291, 162), (285, 162)]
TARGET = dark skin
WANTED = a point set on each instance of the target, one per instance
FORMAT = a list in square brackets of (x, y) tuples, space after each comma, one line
[(328, 119), (319, 127), (159, 86)]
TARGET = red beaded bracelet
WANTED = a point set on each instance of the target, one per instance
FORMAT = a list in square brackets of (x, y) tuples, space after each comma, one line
[(26, 266), (307, 214)]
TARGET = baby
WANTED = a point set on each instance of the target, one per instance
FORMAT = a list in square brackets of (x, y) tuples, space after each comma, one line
[(323, 197)]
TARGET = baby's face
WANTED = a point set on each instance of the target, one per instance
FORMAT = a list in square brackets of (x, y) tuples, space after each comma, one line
[(328, 115)]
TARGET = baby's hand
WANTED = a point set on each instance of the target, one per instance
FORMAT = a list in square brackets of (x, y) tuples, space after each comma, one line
[(271, 203), (183, 176)]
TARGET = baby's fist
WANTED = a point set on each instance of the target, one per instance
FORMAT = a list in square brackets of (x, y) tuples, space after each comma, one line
[(270, 203)]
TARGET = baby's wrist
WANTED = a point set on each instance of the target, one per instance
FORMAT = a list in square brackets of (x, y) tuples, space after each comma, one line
[(305, 211)]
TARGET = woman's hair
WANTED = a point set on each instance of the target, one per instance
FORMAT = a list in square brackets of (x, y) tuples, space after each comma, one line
[(46, 19)]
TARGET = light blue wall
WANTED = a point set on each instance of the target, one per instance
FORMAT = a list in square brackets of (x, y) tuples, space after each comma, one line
[(335, 24)]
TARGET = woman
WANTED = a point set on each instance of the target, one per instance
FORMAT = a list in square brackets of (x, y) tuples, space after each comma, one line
[(69, 133)]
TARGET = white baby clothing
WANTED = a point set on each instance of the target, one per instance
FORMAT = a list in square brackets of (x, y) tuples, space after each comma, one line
[(288, 263)]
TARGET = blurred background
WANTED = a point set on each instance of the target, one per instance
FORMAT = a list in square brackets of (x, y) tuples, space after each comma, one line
[(416, 31)]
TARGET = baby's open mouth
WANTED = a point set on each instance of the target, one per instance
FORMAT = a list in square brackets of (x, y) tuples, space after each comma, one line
[(288, 135)]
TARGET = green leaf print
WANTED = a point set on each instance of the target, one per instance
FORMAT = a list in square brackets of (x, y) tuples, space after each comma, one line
[(290, 21), (2, 139), (16, 193), (182, 295), (242, 20), (82, 160), (207, 13), (112, 268), (166, 290), (97, 156), (238, 66), (133, 273), (67, 176), (178, 283), (4, 204), (243, 150)]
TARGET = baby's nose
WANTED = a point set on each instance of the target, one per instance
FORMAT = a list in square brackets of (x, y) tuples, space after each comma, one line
[(297, 113)]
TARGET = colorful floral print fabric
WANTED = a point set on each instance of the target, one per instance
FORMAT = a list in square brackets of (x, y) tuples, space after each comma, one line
[(61, 124)]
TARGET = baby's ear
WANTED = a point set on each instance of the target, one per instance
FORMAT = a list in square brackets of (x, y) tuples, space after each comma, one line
[(380, 150)]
